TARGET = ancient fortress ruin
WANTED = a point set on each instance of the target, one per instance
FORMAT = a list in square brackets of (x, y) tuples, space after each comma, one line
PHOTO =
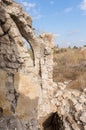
[(28, 94)]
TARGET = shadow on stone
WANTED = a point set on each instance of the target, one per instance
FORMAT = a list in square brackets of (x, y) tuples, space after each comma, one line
[(53, 122)]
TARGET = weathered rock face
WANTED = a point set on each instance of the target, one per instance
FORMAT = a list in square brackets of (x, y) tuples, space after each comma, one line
[(27, 91), (23, 80)]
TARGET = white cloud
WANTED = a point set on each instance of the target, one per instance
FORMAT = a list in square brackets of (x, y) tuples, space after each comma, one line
[(28, 6), (84, 14), (37, 17), (56, 35), (83, 41), (83, 5), (69, 9), (51, 2), (32, 9), (73, 32)]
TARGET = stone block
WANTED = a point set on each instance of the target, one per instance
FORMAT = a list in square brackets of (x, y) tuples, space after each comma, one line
[(1, 31), (28, 100), (3, 100)]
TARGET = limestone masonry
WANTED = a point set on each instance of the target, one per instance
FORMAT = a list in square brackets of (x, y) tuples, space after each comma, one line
[(28, 95)]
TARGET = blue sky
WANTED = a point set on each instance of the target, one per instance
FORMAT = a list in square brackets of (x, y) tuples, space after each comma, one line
[(66, 19)]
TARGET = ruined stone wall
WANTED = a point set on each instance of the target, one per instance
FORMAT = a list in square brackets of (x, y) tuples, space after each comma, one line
[(27, 91), (23, 80)]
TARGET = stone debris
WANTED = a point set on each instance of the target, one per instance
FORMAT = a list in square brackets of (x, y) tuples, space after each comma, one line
[(27, 91), (71, 105)]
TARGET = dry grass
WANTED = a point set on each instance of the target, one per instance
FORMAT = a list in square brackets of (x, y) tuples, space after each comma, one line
[(70, 64)]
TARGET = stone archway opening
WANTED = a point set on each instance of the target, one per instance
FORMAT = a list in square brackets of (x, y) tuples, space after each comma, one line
[(24, 29), (53, 122), (29, 49)]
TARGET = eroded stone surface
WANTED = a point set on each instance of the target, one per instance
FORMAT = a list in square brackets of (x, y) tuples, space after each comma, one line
[(25, 80), (27, 91)]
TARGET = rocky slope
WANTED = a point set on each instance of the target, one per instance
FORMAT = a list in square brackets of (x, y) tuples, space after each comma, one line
[(29, 99)]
